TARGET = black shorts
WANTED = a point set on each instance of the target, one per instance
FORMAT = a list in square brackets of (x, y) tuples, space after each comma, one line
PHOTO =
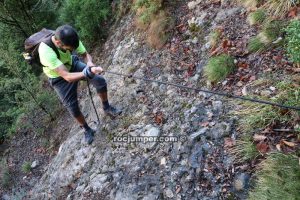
[(67, 92)]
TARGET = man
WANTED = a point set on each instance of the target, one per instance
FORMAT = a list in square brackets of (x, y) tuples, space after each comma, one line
[(65, 70)]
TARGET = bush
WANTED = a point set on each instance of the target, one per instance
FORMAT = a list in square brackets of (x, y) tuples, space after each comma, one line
[(279, 178), (120, 8), (158, 30), (257, 17), (146, 10), (219, 67), (293, 41), (87, 16), (5, 176)]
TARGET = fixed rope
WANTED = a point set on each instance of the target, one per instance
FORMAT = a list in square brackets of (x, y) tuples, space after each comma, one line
[(207, 91)]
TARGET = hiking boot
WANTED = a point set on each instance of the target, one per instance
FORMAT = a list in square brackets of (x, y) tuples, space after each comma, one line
[(112, 112), (89, 136)]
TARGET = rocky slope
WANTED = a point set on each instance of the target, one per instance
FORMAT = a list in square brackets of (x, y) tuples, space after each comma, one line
[(194, 167)]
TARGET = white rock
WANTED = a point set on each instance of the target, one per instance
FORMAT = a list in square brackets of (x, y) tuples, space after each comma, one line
[(244, 91), (193, 4), (169, 193), (198, 133), (272, 88), (163, 161), (34, 164)]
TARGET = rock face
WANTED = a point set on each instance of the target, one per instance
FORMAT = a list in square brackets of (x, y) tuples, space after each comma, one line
[(188, 161)]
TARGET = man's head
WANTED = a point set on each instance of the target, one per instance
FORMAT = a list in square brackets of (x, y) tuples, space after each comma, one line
[(66, 38)]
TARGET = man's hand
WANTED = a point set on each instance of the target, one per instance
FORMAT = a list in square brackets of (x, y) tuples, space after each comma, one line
[(97, 70)]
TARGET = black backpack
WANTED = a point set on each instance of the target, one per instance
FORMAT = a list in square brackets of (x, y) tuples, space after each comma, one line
[(32, 43)]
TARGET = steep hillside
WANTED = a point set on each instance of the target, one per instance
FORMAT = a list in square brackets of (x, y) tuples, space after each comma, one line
[(199, 164)]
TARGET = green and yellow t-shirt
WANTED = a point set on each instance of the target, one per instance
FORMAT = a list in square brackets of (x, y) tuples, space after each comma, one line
[(50, 61)]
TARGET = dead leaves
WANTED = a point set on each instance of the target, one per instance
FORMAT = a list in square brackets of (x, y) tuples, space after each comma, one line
[(159, 118), (262, 147), (259, 138), (293, 12)]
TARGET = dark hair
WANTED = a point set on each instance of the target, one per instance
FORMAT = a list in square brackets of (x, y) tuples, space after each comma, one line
[(67, 35)]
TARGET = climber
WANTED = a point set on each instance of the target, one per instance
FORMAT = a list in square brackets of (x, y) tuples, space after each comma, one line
[(65, 70)]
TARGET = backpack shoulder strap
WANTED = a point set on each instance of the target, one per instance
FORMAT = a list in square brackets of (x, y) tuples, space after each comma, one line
[(49, 42)]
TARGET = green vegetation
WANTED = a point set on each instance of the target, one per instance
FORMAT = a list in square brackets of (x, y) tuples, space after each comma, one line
[(26, 167), (219, 67), (258, 116), (293, 41), (27, 102), (87, 16), (272, 29), (257, 17), (146, 10), (244, 149), (255, 45), (250, 3), (279, 178), (279, 8), (157, 33), (151, 16), (214, 37), (5, 176)]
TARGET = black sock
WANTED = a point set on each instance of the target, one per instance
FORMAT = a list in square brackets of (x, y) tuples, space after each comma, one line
[(105, 105), (86, 127)]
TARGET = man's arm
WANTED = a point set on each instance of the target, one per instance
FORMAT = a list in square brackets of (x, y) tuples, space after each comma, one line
[(69, 76), (74, 76), (88, 59)]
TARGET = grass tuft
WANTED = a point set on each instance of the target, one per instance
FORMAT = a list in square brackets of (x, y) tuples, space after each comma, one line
[(214, 37), (244, 149), (257, 17), (255, 45), (158, 30), (5, 176), (279, 8), (279, 178), (219, 67), (26, 167), (258, 116), (271, 31), (146, 10)]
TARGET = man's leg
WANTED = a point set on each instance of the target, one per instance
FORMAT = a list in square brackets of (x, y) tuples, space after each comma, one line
[(67, 93), (101, 87)]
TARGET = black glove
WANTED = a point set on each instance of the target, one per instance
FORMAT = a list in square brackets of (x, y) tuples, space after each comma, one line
[(88, 72)]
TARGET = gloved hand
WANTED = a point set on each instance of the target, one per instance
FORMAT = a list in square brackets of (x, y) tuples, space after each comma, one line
[(87, 71)]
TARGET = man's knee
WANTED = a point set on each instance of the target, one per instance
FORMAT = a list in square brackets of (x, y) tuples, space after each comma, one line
[(74, 109), (100, 84)]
